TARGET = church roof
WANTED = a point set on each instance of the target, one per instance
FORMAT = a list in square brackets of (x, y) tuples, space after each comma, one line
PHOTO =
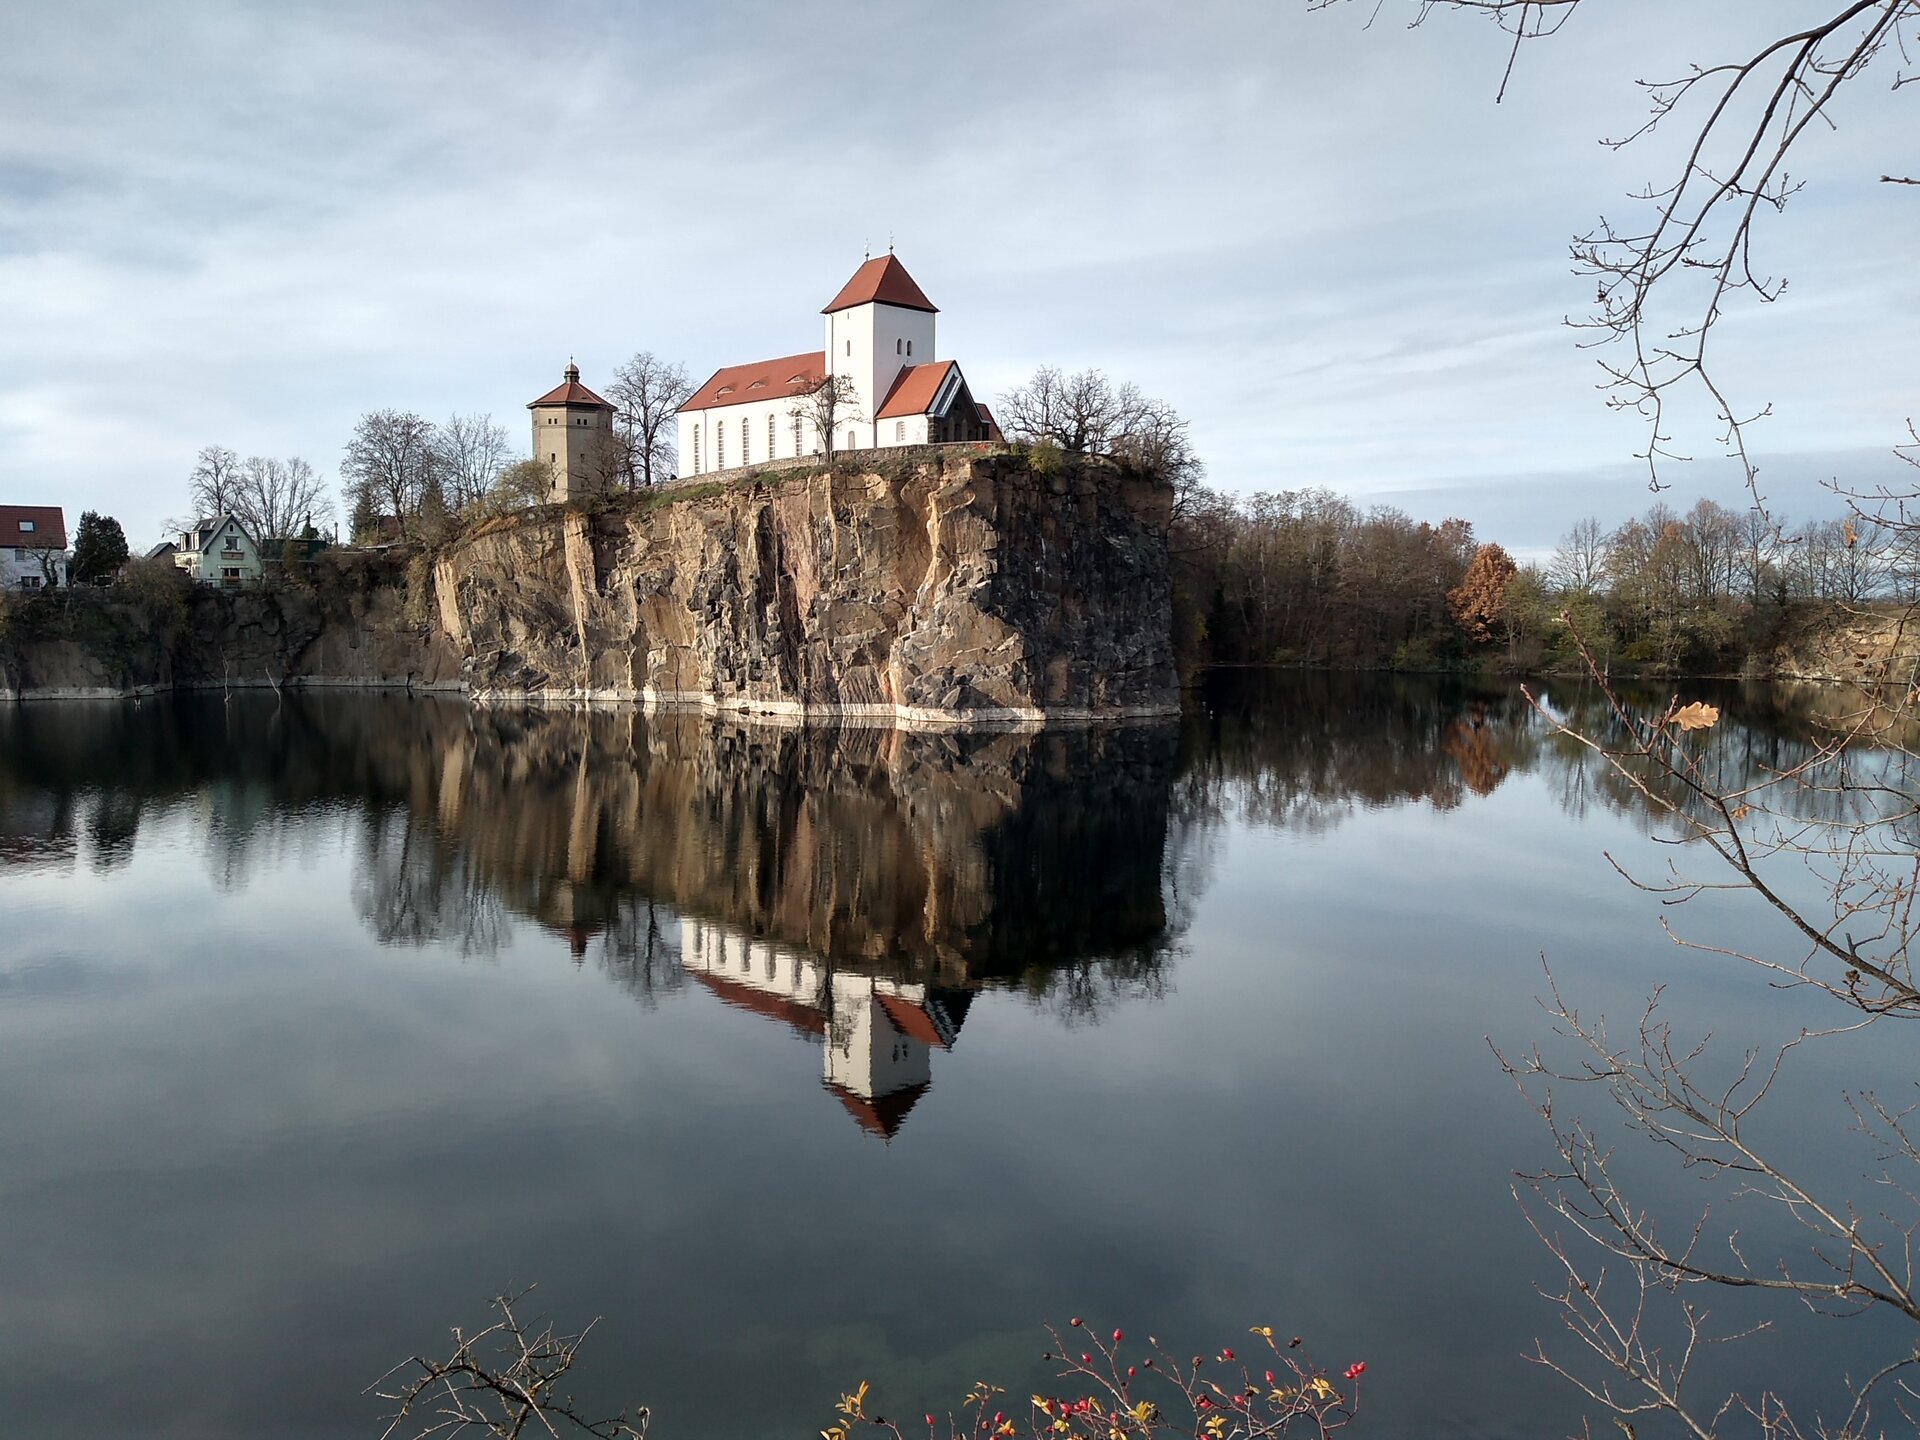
[(912, 1020), (883, 1115), (570, 392), (914, 390), (884, 280), (803, 1018), (779, 378)]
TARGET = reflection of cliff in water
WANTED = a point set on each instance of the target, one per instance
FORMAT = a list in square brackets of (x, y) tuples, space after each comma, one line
[(960, 859)]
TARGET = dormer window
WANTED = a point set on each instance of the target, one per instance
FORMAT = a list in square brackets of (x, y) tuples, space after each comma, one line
[(758, 385), (724, 390), (27, 526)]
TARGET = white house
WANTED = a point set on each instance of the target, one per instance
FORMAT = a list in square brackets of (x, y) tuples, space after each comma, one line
[(880, 342), (33, 546), (878, 1035), (219, 552)]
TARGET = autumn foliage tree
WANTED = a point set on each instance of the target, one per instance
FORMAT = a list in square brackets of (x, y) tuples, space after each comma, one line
[(1479, 602)]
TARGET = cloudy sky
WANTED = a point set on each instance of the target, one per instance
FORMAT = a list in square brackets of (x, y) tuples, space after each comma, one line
[(1321, 240)]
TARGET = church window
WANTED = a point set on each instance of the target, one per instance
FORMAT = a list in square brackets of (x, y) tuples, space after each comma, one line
[(896, 346), (746, 457), (849, 439), (696, 451), (720, 446), (909, 347), (796, 434), (899, 430), (849, 347), (772, 443)]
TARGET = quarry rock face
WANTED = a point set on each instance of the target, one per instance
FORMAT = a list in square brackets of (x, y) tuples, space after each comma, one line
[(925, 588), (950, 589)]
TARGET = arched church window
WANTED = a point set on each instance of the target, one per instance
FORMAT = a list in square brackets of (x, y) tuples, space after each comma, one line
[(696, 452), (720, 446), (909, 347), (746, 456), (899, 430)]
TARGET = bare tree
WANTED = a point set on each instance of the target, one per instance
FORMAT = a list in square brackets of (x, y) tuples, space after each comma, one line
[(1087, 414), (501, 1381), (1580, 562), (1748, 113), (390, 466), (647, 394), (277, 498), (210, 488), (470, 451), (834, 402)]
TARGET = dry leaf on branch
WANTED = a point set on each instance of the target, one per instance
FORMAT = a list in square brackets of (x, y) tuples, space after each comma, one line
[(1697, 716)]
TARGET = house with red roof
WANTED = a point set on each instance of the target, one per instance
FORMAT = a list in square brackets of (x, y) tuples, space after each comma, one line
[(33, 546), (879, 333)]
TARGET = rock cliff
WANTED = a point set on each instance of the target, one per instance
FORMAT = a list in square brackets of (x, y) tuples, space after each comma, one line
[(922, 588), (928, 589)]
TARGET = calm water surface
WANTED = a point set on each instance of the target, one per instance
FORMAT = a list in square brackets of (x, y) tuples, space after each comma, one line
[(808, 1058)]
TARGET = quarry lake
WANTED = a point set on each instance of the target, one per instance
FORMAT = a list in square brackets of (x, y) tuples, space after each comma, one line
[(811, 1057)]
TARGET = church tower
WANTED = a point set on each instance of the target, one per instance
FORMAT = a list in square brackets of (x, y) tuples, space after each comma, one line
[(573, 435), (878, 325)]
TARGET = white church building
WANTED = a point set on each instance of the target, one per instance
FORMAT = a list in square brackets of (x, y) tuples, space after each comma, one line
[(880, 341)]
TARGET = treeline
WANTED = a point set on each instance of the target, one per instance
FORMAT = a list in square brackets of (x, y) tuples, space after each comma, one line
[(1306, 577)]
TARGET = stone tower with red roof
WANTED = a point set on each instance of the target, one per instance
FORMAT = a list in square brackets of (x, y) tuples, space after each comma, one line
[(573, 435)]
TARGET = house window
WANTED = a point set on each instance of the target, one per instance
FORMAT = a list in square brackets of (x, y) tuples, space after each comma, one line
[(772, 444), (746, 442), (233, 543), (29, 582), (899, 430), (20, 552)]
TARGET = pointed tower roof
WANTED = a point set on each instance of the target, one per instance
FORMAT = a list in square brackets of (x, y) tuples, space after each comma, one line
[(570, 392), (885, 280)]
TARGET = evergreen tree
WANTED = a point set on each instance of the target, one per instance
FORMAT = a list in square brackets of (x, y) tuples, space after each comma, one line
[(99, 549)]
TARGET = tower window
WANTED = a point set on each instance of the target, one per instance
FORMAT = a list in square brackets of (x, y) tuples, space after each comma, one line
[(909, 347), (896, 347)]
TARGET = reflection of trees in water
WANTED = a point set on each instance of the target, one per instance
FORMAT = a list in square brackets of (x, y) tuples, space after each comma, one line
[(1303, 752)]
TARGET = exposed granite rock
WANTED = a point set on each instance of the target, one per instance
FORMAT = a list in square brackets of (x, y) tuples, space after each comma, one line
[(944, 589), (925, 588)]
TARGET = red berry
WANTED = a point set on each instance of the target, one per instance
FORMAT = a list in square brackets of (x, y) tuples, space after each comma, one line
[(1116, 1337), (1226, 1354)]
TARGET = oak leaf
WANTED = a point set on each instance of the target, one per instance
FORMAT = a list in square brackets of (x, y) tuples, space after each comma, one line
[(1697, 716)]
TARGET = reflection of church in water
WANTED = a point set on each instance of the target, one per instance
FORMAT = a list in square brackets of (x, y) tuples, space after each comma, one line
[(878, 1036)]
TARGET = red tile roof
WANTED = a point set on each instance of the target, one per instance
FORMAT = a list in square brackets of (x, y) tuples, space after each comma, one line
[(571, 392), (884, 1114), (780, 378), (745, 997), (883, 279), (913, 390), (912, 1021), (49, 530)]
